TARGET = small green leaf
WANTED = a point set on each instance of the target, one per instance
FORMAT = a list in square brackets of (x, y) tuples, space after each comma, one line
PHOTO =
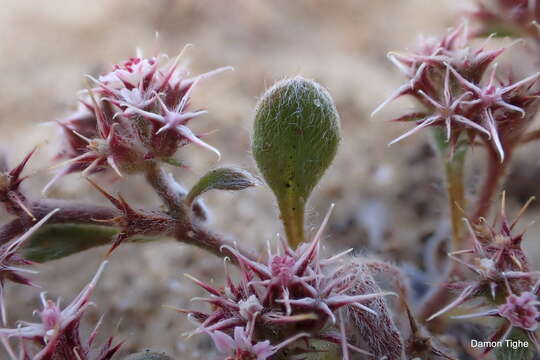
[(296, 136), (56, 241), (221, 179), (148, 355)]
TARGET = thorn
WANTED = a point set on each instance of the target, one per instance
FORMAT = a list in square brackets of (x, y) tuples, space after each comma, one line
[(118, 204), (19, 202), (522, 211)]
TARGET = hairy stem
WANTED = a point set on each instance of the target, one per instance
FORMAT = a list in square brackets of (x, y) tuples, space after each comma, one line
[(190, 231), (173, 194), (292, 216), (170, 192), (195, 233)]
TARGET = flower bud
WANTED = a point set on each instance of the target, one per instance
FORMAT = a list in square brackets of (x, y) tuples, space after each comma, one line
[(296, 136)]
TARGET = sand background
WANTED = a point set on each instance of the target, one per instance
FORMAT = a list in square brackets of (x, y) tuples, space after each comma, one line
[(388, 199)]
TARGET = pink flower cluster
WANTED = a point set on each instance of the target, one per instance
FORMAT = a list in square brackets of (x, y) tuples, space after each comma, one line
[(501, 269), (292, 292), (137, 113), (57, 335), (495, 258), (520, 312), (447, 76)]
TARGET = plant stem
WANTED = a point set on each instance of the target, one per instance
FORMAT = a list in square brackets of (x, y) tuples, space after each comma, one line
[(170, 192), (495, 173), (173, 194), (456, 195), (292, 216), (189, 229), (494, 176), (454, 173), (195, 233), (72, 213), (454, 162)]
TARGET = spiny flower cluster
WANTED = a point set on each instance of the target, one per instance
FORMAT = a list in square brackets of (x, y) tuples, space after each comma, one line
[(447, 76), (136, 113), (11, 196), (501, 270), (293, 292), (57, 335)]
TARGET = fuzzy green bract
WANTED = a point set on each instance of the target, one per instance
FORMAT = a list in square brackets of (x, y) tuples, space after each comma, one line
[(228, 178), (296, 136)]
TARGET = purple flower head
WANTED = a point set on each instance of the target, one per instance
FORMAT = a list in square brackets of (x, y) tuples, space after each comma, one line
[(292, 290), (157, 91), (495, 258), (136, 113), (447, 77), (521, 311)]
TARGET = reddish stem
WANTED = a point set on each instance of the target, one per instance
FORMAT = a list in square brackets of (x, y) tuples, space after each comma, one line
[(190, 232), (492, 181)]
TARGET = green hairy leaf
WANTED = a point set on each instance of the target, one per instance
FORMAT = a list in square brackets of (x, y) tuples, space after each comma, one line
[(56, 241)]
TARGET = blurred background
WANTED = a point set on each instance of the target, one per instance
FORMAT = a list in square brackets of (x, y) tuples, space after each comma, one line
[(389, 199)]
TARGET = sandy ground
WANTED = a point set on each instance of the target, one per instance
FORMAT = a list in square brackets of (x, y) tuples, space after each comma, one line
[(47, 47)]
